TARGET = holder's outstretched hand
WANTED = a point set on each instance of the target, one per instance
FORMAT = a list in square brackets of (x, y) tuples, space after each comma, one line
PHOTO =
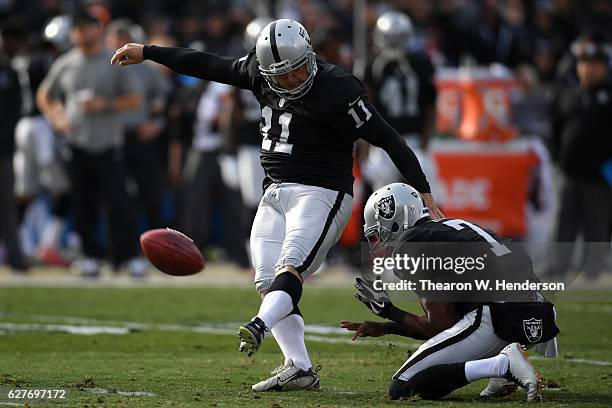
[(364, 329)]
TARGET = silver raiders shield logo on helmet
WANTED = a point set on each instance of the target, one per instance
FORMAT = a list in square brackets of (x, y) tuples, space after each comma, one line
[(386, 207)]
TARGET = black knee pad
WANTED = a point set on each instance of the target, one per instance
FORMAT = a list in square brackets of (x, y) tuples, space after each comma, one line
[(289, 283), (400, 389), (431, 383), (296, 310)]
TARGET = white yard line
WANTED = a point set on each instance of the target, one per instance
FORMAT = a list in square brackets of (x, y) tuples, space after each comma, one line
[(210, 328), (593, 362), (223, 328), (95, 330), (64, 328), (586, 308), (81, 326), (99, 390), (575, 360), (321, 329), (334, 390), (361, 342)]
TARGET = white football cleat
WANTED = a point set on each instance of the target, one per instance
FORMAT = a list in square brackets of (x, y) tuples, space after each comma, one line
[(289, 377), (522, 372), (497, 388)]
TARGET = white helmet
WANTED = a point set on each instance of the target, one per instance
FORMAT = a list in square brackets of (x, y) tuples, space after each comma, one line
[(252, 30), (390, 211), (392, 31), (282, 46)]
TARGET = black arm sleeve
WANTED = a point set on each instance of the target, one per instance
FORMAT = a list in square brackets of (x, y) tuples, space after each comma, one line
[(556, 128), (400, 330), (379, 133), (202, 65), (356, 118), (10, 109)]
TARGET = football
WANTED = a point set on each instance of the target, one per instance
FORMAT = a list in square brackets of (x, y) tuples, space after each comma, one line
[(172, 252)]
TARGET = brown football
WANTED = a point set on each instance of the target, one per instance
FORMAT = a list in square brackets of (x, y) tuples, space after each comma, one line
[(172, 252)]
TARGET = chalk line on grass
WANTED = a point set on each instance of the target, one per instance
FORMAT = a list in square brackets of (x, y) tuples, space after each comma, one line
[(99, 390), (314, 333)]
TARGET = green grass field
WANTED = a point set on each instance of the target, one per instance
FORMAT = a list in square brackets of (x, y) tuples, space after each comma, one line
[(178, 347)]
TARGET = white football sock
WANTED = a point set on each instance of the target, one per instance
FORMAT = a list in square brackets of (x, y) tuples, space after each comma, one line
[(494, 367), (274, 307), (289, 334)]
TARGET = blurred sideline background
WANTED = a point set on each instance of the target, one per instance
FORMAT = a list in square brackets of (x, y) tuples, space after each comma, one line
[(484, 91)]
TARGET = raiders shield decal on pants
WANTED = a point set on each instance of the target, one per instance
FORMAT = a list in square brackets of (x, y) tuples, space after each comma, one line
[(533, 329)]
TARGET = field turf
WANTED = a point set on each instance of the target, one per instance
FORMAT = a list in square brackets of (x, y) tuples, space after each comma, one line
[(176, 347)]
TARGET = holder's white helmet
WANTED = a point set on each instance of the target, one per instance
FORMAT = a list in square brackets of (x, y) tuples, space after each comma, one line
[(282, 46), (392, 31), (390, 211)]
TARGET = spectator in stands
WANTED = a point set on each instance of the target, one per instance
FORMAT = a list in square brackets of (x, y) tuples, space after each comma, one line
[(239, 123), (84, 97), (10, 112), (546, 36), (179, 123), (207, 175), (143, 126), (582, 119), (544, 60), (38, 163), (529, 104)]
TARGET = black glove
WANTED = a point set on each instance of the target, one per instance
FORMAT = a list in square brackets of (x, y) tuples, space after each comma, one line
[(375, 300)]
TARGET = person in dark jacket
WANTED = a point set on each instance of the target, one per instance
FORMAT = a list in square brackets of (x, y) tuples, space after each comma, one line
[(10, 112), (581, 147)]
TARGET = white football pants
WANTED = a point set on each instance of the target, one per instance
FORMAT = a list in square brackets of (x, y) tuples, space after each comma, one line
[(296, 225), (471, 338)]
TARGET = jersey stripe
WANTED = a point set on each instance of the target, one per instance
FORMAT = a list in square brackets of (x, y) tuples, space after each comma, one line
[(275, 53), (443, 344), (330, 217)]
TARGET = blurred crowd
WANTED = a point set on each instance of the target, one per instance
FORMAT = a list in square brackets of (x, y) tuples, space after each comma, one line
[(91, 154)]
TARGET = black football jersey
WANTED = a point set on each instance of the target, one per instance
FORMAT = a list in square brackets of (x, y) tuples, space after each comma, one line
[(247, 131), (452, 230), (308, 140), (402, 89), (479, 241), (457, 239)]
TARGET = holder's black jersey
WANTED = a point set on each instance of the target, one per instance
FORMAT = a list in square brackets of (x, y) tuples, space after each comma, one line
[(309, 140), (454, 230), (465, 247), (455, 250)]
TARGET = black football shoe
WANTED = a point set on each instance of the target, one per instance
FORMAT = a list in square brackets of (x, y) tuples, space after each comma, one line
[(251, 336)]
